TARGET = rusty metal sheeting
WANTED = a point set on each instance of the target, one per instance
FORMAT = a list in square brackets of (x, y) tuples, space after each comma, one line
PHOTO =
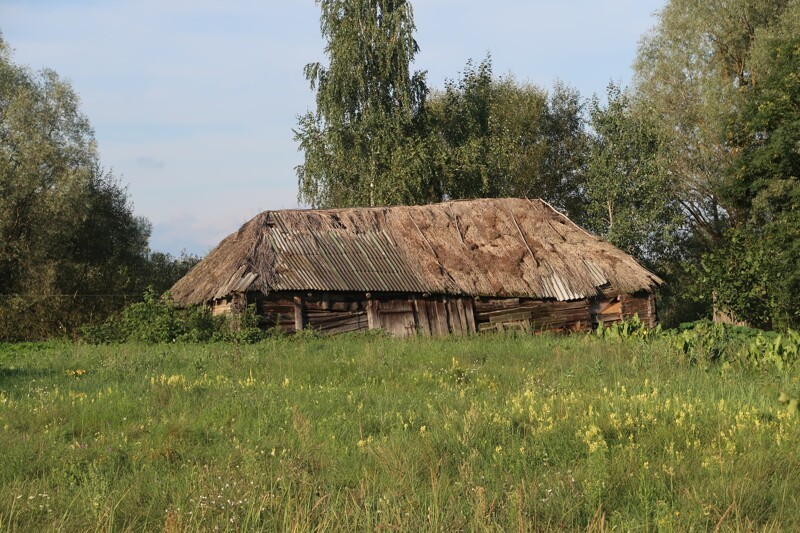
[(339, 261)]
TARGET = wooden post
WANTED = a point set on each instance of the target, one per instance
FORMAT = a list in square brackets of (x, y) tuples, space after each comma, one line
[(469, 315), (299, 315), (373, 320), (421, 317)]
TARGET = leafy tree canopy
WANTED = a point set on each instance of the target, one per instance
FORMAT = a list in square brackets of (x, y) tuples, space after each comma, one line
[(755, 272), (493, 136), (361, 145), (629, 199), (692, 70), (71, 247)]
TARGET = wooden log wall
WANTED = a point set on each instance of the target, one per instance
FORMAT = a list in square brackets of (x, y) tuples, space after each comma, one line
[(606, 311), (326, 314), (277, 312), (401, 315), (440, 316), (221, 306), (229, 304), (527, 314), (407, 315), (642, 304), (330, 314)]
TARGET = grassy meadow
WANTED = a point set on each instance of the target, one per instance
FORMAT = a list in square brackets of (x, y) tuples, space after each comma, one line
[(365, 432)]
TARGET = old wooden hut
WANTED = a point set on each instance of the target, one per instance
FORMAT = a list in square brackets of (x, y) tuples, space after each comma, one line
[(449, 268)]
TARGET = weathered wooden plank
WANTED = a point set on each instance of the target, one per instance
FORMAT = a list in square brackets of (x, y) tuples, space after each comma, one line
[(299, 312), (537, 309), (496, 303), (612, 308), (469, 315), (511, 317), (521, 325), (345, 329), (335, 323), (373, 320), (443, 316), (398, 324), (350, 324), (334, 306), (421, 314), (395, 306), (462, 316), (437, 315), (454, 317), (322, 315)]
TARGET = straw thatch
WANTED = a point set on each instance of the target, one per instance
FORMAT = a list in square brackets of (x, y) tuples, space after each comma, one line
[(490, 247)]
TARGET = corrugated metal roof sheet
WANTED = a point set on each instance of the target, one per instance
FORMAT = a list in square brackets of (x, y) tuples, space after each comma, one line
[(339, 261), (597, 275), (557, 288)]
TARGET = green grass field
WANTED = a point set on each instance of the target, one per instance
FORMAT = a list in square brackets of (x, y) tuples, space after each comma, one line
[(365, 432)]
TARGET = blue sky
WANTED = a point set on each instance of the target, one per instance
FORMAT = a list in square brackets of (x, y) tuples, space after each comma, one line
[(193, 101)]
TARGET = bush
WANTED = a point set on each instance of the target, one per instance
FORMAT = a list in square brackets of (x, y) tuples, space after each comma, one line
[(780, 351), (157, 320), (705, 343)]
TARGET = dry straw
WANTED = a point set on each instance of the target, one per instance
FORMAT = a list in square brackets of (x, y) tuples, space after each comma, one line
[(489, 247)]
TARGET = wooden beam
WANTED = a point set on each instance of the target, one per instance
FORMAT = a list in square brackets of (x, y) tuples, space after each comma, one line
[(373, 320), (469, 314), (299, 314), (421, 316)]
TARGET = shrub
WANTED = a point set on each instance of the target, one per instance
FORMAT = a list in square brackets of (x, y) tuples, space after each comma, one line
[(157, 320), (780, 351)]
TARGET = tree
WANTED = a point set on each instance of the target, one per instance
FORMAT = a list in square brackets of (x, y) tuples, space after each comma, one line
[(494, 137), (461, 126), (754, 273), (628, 190), (362, 145), (67, 229), (692, 71)]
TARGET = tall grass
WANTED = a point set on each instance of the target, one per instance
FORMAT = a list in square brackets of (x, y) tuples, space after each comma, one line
[(365, 432)]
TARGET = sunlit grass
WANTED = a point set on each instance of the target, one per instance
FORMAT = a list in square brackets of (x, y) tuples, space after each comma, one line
[(364, 432)]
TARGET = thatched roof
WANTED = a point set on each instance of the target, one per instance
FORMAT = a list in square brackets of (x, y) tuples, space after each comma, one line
[(490, 247)]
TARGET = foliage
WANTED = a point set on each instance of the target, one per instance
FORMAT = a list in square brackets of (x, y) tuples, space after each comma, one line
[(692, 71), (156, 320), (763, 180), (628, 329), (630, 201), (361, 145), (71, 248), (779, 351), (65, 225), (754, 272), (496, 137), (162, 270), (704, 75), (365, 432), (706, 343)]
